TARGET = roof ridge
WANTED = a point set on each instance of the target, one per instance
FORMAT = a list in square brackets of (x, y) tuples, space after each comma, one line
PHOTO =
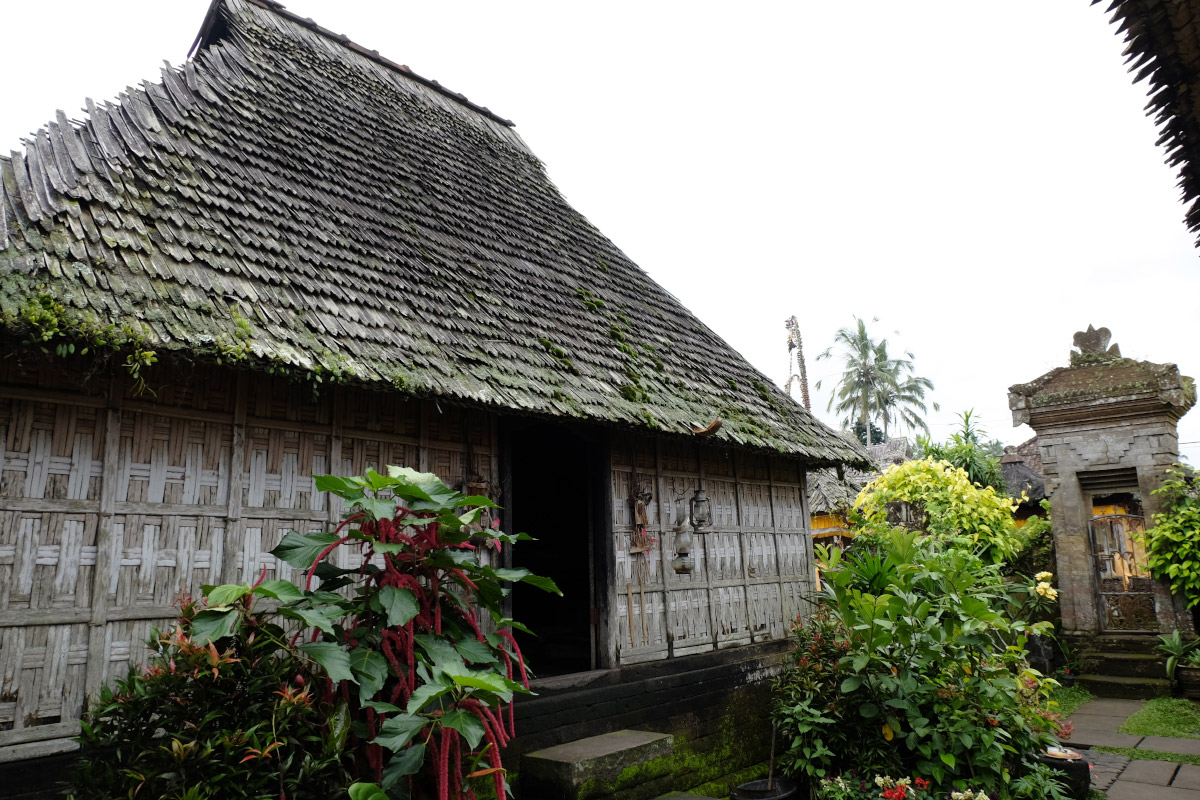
[(209, 26)]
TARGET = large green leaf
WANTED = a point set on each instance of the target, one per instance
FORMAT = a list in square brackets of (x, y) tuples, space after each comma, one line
[(311, 617), (441, 653), (465, 723), (224, 595), (400, 605), (483, 680), (302, 550), (349, 488), (407, 762), (399, 731), (370, 669), (424, 694), (283, 591), (332, 658), (210, 626), (525, 576), (476, 651), (366, 791)]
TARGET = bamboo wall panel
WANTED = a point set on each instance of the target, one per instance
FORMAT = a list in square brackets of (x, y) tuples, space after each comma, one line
[(753, 569), (201, 481)]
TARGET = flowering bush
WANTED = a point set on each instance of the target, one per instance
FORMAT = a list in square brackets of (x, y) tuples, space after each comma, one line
[(882, 787), (924, 671), (227, 717), (426, 682)]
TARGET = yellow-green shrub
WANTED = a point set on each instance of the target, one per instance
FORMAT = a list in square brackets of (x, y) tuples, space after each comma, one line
[(954, 507)]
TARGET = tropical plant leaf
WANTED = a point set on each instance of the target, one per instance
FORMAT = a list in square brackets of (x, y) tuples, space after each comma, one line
[(397, 732), (211, 626), (465, 723), (400, 605), (332, 658), (302, 550), (283, 591)]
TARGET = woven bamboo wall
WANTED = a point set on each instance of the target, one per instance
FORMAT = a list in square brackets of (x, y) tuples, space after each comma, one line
[(112, 508), (753, 569)]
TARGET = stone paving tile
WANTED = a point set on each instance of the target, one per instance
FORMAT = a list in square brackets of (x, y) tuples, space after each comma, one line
[(1110, 707), (1159, 773), (1169, 744), (1105, 767), (1128, 790), (1099, 722), (1188, 777), (1090, 737)]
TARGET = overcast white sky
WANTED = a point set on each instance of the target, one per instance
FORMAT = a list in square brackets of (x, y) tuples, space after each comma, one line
[(980, 176)]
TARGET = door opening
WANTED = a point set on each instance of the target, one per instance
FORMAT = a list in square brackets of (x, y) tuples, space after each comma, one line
[(550, 470)]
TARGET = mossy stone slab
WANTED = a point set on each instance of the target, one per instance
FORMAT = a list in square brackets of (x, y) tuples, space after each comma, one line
[(557, 773)]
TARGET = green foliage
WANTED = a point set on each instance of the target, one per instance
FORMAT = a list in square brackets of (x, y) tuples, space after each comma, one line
[(912, 666), (221, 711), (427, 690), (1036, 550), (1069, 698), (1173, 544), (955, 509), (46, 322), (1039, 782), (1175, 648), (1165, 716), (965, 451), (1150, 755)]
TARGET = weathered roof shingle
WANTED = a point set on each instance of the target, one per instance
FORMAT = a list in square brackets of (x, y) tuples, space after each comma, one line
[(288, 199)]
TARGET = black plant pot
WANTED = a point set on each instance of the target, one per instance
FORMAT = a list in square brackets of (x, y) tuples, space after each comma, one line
[(1076, 773), (781, 789)]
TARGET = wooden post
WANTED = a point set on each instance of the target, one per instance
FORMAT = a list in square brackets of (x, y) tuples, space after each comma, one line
[(108, 549), (234, 526)]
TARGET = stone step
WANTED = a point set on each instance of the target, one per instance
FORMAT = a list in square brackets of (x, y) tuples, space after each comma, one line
[(1130, 665), (562, 771), (1120, 686), (1123, 643)]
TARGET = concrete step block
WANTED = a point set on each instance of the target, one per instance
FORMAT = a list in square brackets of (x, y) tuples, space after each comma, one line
[(559, 772), (1131, 665), (1120, 686)]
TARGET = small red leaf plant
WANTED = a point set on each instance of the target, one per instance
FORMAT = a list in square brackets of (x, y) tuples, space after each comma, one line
[(222, 710), (424, 679)]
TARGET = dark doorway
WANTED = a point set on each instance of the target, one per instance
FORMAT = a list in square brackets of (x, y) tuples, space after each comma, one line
[(551, 472)]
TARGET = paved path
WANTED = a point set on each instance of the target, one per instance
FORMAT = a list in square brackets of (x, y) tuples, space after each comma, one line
[(1096, 724)]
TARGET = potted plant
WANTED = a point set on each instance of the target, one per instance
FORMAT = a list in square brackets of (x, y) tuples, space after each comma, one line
[(1187, 674), (1176, 650)]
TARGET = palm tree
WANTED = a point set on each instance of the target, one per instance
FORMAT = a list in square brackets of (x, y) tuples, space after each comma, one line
[(873, 384), (905, 402)]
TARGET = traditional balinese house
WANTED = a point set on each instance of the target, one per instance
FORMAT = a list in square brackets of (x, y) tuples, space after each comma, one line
[(1021, 467), (831, 492), (292, 256)]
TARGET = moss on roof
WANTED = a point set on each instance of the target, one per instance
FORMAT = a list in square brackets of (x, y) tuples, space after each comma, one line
[(289, 201)]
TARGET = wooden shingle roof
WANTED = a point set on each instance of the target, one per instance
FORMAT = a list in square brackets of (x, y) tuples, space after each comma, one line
[(288, 200), (1163, 46)]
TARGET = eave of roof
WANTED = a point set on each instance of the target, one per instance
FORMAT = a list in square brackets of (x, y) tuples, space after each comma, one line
[(287, 201), (1163, 46)]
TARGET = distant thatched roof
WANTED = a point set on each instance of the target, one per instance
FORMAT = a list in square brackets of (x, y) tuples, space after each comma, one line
[(829, 494), (1163, 45), (288, 200)]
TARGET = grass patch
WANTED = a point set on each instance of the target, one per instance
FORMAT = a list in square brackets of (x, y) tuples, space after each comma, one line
[(1096, 794), (1165, 716), (1150, 755), (1070, 698)]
